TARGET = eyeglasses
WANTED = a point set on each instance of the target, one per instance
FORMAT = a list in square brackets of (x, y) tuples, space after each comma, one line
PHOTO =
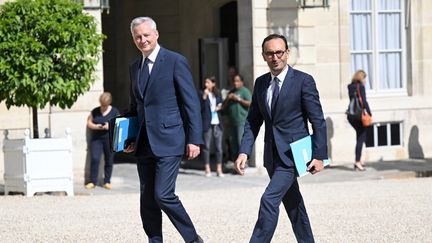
[(271, 54)]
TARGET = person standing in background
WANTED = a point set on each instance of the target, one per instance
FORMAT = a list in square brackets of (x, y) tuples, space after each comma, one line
[(97, 122), (211, 106), (357, 83), (164, 98), (232, 72), (236, 106)]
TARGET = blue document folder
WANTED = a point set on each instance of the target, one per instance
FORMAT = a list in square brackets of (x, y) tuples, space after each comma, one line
[(125, 131), (302, 153)]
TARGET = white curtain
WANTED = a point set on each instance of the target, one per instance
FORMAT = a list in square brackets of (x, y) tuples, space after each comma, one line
[(363, 61), (387, 4), (358, 5), (389, 45), (361, 39)]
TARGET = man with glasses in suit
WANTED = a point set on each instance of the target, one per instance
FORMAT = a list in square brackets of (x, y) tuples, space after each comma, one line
[(285, 99)]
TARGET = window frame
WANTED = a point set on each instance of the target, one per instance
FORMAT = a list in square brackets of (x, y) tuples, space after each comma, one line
[(389, 135), (375, 51)]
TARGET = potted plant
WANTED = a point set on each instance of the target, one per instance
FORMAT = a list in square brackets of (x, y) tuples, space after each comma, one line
[(48, 54)]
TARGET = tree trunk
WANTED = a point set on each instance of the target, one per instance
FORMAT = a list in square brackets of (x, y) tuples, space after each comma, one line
[(35, 122)]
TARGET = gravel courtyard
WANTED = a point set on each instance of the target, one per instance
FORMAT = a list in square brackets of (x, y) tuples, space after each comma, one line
[(354, 211)]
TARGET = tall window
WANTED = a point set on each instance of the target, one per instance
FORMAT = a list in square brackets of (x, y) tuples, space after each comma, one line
[(377, 43)]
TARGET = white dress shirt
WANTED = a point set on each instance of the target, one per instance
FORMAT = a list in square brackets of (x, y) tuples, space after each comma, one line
[(281, 78), (151, 57), (214, 115)]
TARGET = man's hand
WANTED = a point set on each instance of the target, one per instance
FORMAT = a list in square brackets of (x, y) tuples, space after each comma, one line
[(233, 96), (315, 166), (130, 148), (192, 151), (240, 163)]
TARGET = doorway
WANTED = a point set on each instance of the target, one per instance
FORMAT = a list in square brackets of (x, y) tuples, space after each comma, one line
[(213, 59), (228, 26), (218, 54)]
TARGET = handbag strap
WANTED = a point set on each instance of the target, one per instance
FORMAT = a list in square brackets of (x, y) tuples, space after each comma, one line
[(359, 96)]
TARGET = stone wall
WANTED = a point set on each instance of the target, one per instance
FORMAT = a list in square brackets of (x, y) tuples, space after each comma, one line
[(319, 40)]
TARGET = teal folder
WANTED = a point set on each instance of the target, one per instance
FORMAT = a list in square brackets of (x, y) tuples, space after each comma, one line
[(125, 131), (302, 153)]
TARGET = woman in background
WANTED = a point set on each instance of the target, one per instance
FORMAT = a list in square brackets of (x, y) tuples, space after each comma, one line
[(97, 121), (211, 105), (357, 83)]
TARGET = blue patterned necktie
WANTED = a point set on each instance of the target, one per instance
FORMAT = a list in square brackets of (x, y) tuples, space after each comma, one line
[(144, 75), (275, 94)]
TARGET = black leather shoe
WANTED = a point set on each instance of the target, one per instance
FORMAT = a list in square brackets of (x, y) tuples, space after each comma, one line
[(198, 240)]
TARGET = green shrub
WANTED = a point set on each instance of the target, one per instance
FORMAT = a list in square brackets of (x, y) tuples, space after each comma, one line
[(48, 53)]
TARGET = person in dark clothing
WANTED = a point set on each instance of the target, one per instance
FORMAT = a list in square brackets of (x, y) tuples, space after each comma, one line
[(211, 107), (97, 121), (358, 80)]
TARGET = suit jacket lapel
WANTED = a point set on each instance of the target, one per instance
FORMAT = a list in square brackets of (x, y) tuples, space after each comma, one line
[(283, 94), (265, 86), (156, 68), (135, 83)]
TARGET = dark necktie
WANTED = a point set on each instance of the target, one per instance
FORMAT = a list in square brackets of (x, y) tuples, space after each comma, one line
[(144, 75), (275, 94)]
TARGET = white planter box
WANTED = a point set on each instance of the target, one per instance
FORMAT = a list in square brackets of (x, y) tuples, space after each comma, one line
[(38, 165)]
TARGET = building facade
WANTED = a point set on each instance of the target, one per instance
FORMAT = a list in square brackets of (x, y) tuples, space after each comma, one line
[(389, 39)]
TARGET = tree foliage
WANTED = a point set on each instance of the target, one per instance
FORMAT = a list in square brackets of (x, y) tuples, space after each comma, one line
[(48, 52)]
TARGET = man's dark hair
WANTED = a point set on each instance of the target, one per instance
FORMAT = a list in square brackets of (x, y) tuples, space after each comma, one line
[(274, 36)]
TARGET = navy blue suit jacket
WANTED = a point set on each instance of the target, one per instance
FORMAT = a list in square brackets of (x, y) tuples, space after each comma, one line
[(297, 104), (206, 112), (169, 110)]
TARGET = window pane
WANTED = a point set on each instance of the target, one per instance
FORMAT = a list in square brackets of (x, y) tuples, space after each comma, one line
[(369, 136), (357, 5), (389, 4), (390, 70), (361, 32), (363, 61), (377, 42), (382, 135), (395, 134), (389, 31)]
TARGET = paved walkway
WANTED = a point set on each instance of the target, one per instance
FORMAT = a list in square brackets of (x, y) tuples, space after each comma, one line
[(386, 203), (125, 176)]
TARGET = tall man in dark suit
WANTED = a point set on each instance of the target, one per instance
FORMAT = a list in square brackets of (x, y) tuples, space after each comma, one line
[(164, 98), (285, 99)]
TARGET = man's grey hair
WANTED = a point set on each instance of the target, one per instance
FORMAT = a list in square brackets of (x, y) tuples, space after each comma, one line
[(140, 20)]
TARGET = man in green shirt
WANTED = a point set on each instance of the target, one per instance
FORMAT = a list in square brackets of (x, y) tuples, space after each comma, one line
[(236, 107)]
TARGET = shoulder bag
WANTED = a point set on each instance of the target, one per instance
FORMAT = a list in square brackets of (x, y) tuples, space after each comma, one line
[(365, 117)]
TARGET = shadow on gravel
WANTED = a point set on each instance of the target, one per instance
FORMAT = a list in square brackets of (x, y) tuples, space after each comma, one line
[(339, 167), (421, 168)]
